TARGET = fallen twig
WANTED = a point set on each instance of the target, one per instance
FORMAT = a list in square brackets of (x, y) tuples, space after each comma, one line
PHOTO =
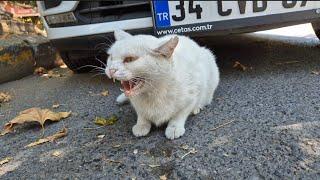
[(113, 161), (222, 125), (287, 62), (60, 134), (192, 151), (154, 165), (93, 128)]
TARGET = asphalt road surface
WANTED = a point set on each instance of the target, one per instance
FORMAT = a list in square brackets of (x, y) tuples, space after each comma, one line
[(262, 124)]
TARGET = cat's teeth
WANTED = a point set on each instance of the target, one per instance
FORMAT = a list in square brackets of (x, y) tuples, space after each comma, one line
[(114, 80), (121, 89)]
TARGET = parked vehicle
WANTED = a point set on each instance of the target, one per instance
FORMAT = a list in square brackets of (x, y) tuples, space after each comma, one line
[(77, 27)]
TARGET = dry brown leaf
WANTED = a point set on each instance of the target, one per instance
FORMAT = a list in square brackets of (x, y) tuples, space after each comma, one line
[(51, 74), (40, 71), (163, 177), (105, 93), (63, 66), (4, 97), (51, 138), (34, 115), (313, 72), (55, 106), (106, 122), (222, 125), (113, 161), (5, 160), (240, 66)]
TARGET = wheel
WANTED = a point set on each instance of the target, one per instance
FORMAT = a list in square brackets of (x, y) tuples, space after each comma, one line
[(316, 28), (82, 61)]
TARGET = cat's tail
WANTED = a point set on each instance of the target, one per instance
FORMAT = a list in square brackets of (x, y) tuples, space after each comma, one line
[(122, 99)]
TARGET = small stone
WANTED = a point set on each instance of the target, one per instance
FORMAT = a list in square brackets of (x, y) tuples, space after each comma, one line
[(101, 136), (135, 151), (163, 177), (56, 153)]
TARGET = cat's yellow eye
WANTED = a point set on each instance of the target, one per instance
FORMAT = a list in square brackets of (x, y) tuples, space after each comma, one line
[(129, 59)]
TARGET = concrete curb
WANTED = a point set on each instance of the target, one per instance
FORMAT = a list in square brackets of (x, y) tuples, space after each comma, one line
[(19, 55)]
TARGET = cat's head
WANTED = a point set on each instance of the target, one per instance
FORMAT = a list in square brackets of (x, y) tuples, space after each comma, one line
[(140, 62)]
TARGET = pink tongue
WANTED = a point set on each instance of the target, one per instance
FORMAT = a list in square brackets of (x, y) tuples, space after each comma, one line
[(128, 86)]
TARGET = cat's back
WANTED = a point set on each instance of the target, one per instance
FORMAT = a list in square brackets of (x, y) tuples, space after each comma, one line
[(188, 55), (197, 66)]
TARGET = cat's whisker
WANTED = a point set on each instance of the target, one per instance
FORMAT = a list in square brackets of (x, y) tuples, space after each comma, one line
[(97, 70), (156, 72), (98, 74), (151, 86), (89, 65), (146, 82), (145, 76), (96, 58), (144, 79), (152, 73), (101, 62), (106, 38), (101, 44)]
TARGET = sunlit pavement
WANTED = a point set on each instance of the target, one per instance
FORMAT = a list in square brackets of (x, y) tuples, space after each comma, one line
[(302, 30)]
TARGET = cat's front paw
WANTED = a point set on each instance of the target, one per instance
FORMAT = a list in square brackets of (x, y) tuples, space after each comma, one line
[(173, 132), (122, 99), (141, 129)]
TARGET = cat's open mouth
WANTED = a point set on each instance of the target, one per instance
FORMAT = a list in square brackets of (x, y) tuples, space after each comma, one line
[(132, 86)]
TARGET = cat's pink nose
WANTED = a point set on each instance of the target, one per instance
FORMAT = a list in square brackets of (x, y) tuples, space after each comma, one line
[(112, 71)]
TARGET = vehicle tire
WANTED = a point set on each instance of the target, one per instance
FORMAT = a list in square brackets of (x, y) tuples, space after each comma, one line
[(79, 61), (316, 28)]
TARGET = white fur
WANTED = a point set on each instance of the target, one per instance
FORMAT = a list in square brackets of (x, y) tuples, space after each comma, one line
[(175, 87)]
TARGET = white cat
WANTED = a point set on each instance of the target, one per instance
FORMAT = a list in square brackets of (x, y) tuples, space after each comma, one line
[(166, 79)]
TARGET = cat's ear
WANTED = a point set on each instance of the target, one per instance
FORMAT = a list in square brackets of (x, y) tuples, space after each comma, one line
[(167, 48), (120, 34)]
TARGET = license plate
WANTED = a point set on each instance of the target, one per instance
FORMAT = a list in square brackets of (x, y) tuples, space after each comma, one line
[(183, 17)]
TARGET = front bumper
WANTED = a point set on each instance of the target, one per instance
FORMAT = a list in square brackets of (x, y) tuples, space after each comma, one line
[(99, 28), (92, 42), (96, 17)]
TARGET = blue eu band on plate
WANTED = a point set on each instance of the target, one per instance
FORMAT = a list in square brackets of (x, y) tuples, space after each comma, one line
[(200, 16)]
